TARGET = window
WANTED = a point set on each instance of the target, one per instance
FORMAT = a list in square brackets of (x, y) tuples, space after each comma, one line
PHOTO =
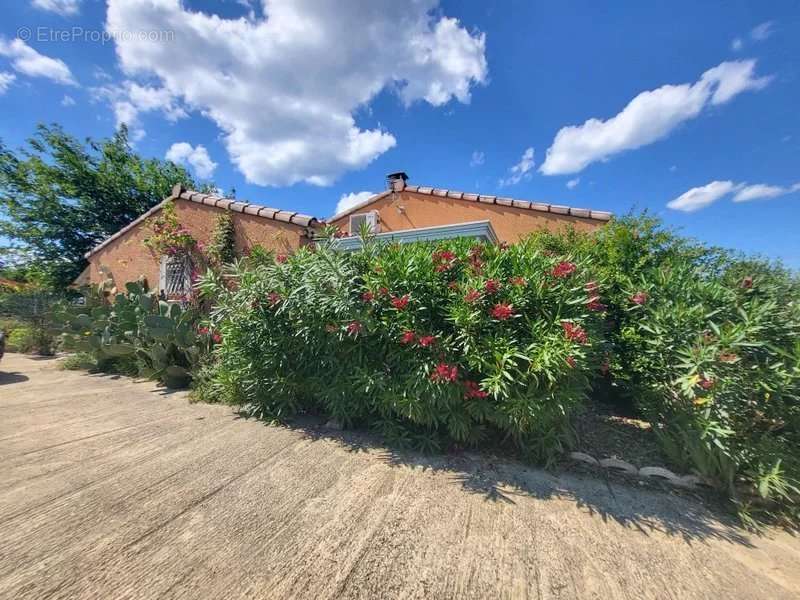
[(176, 276), (370, 218)]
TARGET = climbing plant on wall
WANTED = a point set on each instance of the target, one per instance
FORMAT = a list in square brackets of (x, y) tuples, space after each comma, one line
[(222, 247)]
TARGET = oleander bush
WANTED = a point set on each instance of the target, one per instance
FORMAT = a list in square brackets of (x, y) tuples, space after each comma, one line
[(428, 343)]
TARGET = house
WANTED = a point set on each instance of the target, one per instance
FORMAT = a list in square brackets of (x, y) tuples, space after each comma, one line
[(402, 213)]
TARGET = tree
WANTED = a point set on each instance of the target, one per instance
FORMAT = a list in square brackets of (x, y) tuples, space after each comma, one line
[(60, 197)]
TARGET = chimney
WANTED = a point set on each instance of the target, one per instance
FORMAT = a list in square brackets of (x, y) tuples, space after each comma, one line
[(397, 181)]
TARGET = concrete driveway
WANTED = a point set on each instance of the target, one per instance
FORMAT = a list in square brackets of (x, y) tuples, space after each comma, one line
[(111, 489)]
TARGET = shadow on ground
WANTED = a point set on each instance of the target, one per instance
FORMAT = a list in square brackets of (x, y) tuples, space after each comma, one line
[(8, 378), (646, 508)]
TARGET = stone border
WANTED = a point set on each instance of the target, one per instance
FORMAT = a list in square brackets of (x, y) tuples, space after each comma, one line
[(690, 482)]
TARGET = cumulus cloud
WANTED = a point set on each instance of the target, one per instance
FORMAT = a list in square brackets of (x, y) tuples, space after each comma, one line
[(182, 153), (573, 183), (521, 170), (348, 201), (6, 79), (477, 159), (28, 61), (64, 8), (700, 197), (284, 86), (762, 191), (129, 99), (649, 117)]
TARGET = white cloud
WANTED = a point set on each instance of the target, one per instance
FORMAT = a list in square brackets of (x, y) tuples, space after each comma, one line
[(28, 61), (649, 117), (6, 79), (737, 44), (62, 7), (477, 159), (182, 153), (129, 99), (348, 201), (573, 183), (700, 197), (521, 170), (284, 87), (67, 100), (762, 191), (761, 32), (673, 168)]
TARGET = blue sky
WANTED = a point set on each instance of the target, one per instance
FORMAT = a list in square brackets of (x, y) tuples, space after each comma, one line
[(296, 104)]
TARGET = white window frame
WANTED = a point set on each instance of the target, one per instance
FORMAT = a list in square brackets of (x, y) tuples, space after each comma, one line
[(372, 218)]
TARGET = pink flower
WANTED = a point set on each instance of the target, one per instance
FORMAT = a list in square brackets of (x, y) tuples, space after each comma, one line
[(443, 260), (564, 269), (202, 330), (574, 332), (591, 288), (408, 337), (704, 383), (384, 291), (492, 286), (274, 298), (571, 361), (501, 311), (444, 373), (747, 282), (639, 298), (595, 305), (216, 337), (472, 296), (281, 258), (473, 390), (367, 296), (354, 328), (427, 340), (400, 303), (518, 281)]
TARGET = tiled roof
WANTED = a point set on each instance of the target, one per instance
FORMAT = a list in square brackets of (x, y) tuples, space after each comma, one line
[(274, 214), (583, 213)]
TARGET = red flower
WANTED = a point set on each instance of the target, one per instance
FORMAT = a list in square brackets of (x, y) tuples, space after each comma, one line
[(354, 328), (595, 305), (408, 337), (427, 340), (571, 361), (473, 390), (574, 332), (518, 281), (281, 258), (472, 296), (444, 373), (202, 330), (401, 302), (747, 282), (274, 298), (639, 298), (492, 286), (443, 259), (216, 337), (367, 296), (564, 269), (704, 383), (501, 311), (384, 291)]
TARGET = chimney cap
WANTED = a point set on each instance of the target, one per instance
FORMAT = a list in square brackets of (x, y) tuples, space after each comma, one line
[(397, 175), (396, 181)]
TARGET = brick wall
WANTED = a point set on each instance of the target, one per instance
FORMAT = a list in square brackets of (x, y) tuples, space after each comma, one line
[(411, 210), (127, 258)]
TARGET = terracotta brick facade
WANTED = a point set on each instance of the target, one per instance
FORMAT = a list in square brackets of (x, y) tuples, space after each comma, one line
[(413, 210), (126, 258)]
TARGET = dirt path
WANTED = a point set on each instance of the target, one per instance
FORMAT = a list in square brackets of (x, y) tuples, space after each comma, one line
[(110, 489)]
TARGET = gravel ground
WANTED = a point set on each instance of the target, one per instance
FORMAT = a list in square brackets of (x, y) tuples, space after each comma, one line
[(111, 489)]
